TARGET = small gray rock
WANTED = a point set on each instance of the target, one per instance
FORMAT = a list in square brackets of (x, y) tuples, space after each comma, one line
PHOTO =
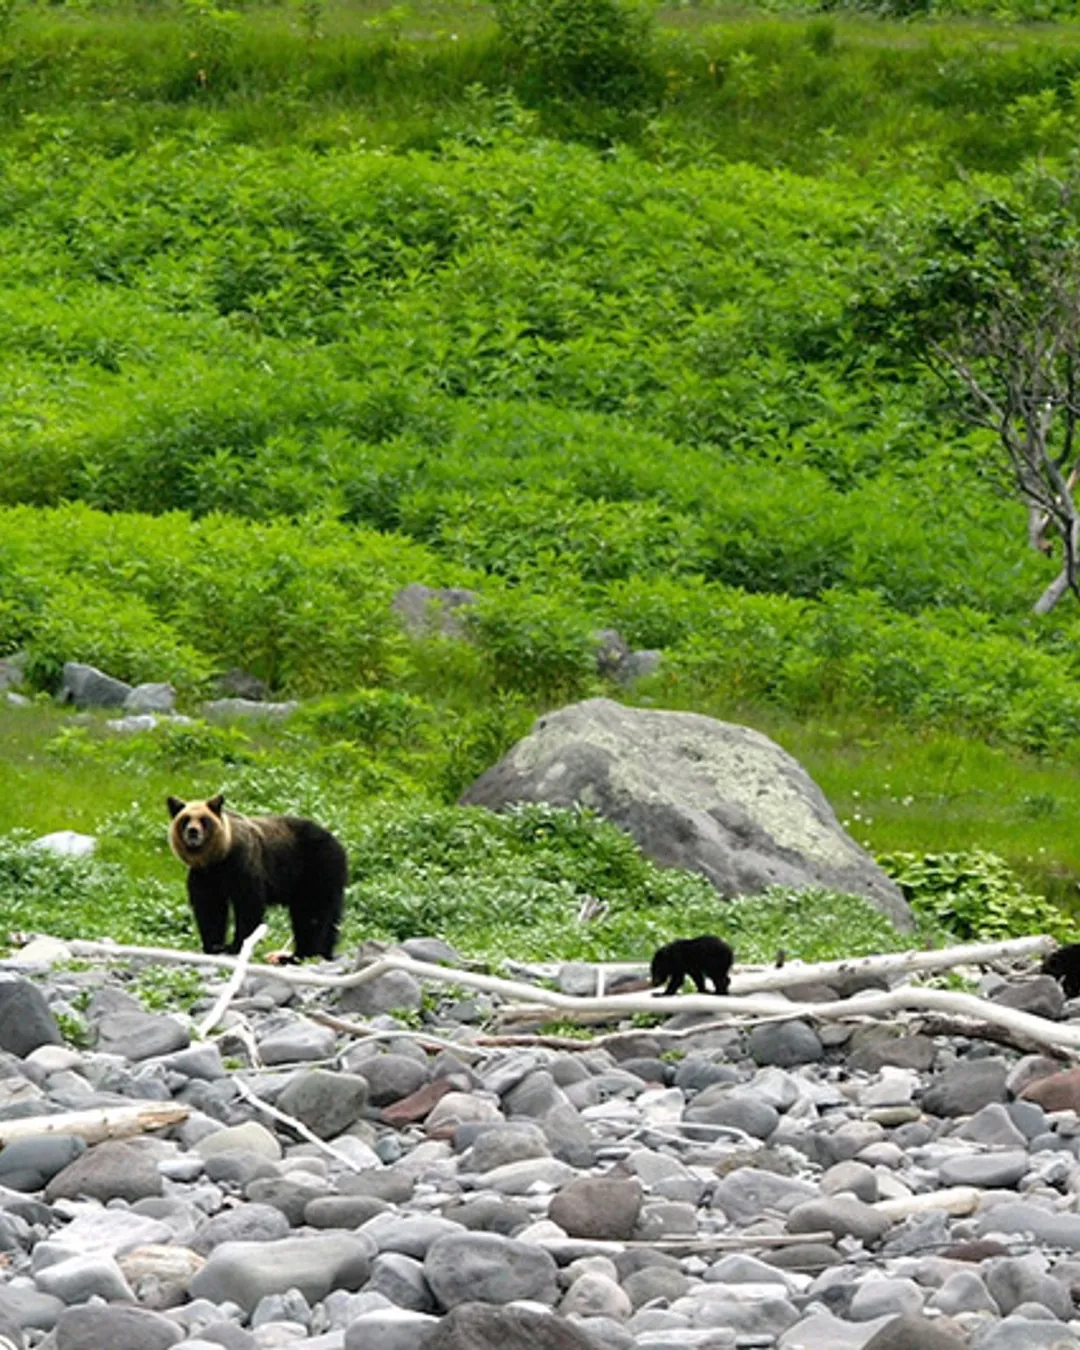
[(392, 990), (966, 1087), (748, 1192), (115, 1170), (598, 1207), (988, 1170), (1020, 1279), (245, 1223), (993, 1126), (245, 1272), (29, 1164), (327, 1103), (25, 1019), (486, 1268), (141, 1035), (298, 1042), (1041, 996), (391, 1077), (151, 698), (88, 687), (841, 1215), (913, 1332), (743, 1110), (117, 1328), (785, 1044), (477, 1326), (875, 1298)]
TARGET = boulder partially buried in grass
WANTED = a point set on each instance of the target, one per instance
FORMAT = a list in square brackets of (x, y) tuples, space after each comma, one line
[(712, 797)]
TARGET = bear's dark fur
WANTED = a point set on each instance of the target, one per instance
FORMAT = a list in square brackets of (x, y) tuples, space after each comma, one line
[(1064, 965), (249, 862), (699, 958)]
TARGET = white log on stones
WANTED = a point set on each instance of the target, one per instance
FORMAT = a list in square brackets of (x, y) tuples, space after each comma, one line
[(108, 1122), (217, 1012), (760, 1006), (758, 980), (297, 1125), (955, 1200)]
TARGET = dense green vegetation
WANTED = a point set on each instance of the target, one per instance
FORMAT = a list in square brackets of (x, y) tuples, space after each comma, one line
[(299, 305)]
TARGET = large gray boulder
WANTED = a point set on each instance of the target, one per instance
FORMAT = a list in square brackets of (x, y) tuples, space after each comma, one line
[(88, 687), (709, 796)]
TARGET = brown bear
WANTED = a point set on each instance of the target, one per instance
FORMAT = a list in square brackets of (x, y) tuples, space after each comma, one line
[(249, 862), (699, 958)]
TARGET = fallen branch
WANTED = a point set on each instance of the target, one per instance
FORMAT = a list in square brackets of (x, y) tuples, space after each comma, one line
[(241, 1030), (97, 1125), (955, 1200), (214, 1016), (1038, 1030), (363, 1032), (297, 1125), (772, 978), (939, 1025), (760, 979), (567, 1249)]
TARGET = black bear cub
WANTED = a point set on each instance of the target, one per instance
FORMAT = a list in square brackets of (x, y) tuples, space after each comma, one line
[(1064, 965), (249, 862), (700, 958)]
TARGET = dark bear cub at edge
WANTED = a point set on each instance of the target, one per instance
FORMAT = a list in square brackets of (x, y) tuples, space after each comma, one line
[(249, 862), (1064, 965), (700, 958)]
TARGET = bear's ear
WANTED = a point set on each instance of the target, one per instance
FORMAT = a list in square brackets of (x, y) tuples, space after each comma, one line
[(216, 803), (175, 806)]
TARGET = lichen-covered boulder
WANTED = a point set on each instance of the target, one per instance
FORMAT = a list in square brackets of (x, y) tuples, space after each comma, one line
[(710, 796)]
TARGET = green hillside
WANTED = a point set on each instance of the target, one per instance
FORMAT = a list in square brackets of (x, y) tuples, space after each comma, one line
[(300, 304)]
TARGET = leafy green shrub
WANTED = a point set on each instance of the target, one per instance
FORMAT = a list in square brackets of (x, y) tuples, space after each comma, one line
[(595, 48), (541, 645), (974, 896), (376, 717), (81, 621)]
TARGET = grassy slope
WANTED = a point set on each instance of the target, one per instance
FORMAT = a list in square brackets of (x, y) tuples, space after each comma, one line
[(829, 97)]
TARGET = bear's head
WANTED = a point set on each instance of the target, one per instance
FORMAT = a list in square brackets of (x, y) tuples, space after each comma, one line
[(200, 832)]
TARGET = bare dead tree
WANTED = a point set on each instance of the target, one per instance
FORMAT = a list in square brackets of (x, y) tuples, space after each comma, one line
[(990, 303), (1018, 362)]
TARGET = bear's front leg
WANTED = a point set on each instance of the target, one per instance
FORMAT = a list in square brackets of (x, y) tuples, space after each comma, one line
[(211, 910)]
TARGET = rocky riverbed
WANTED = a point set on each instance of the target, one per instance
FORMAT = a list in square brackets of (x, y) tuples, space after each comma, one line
[(776, 1186)]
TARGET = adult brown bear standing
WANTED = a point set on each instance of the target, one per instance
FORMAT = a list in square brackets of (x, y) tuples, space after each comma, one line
[(249, 862)]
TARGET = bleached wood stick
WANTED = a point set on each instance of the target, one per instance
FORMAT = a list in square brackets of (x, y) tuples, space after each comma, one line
[(297, 1125), (787, 976), (106, 1122), (1038, 1029), (236, 979), (569, 1249), (762, 978), (955, 1200), (363, 1032)]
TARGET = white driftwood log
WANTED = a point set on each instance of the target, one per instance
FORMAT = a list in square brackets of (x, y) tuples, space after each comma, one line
[(955, 1200), (770, 978), (236, 979), (569, 1249), (297, 1125), (766, 1006), (762, 1005), (108, 1122), (759, 979)]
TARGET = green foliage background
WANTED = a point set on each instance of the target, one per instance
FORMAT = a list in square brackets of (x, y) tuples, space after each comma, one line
[(586, 307)]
